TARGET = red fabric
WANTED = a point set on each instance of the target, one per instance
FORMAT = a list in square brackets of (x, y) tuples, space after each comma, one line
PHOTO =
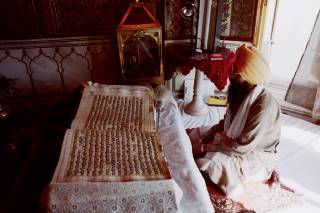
[(216, 70), (215, 66)]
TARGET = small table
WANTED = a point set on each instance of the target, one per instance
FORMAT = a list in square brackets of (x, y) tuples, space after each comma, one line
[(215, 66)]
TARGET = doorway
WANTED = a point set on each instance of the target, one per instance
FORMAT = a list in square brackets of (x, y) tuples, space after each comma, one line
[(288, 26)]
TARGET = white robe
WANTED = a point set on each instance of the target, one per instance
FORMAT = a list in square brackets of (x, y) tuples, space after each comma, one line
[(256, 128)]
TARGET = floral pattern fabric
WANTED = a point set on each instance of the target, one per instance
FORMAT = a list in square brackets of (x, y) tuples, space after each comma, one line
[(137, 196)]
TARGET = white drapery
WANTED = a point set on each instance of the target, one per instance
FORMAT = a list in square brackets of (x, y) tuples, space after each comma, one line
[(304, 89)]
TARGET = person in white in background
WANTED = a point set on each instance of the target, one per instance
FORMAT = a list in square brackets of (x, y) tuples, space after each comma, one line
[(242, 146)]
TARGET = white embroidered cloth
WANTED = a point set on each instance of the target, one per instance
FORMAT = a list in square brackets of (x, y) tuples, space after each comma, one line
[(183, 169), (113, 138), (137, 196)]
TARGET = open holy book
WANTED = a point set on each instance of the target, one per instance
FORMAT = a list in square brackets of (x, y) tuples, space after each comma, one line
[(115, 107), (113, 137)]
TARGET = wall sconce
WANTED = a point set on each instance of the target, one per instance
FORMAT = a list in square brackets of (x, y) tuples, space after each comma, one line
[(188, 11)]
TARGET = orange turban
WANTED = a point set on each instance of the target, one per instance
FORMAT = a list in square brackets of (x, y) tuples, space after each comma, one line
[(251, 65)]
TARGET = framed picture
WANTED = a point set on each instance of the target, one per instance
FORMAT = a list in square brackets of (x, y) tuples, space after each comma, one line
[(241, 20)]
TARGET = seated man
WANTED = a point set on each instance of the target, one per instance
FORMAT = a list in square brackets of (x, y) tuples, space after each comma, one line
[(242, 146)]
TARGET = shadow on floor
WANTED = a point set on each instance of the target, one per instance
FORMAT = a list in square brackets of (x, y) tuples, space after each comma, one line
[(31, 139)]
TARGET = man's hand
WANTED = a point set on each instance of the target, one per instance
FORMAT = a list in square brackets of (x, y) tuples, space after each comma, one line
[(222, 139), (196, 142), (197, 149), (221, 143)]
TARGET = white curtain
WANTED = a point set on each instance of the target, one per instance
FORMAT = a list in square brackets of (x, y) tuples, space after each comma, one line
[(304, 89)]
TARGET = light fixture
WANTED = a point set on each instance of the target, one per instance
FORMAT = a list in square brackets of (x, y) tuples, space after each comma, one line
[(188, 11)]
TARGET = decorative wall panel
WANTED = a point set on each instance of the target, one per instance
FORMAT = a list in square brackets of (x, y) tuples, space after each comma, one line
[(238, 19), (56, 66), (226, 18), (243, 18), (56, 18), (237, 22), (85, 16)]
